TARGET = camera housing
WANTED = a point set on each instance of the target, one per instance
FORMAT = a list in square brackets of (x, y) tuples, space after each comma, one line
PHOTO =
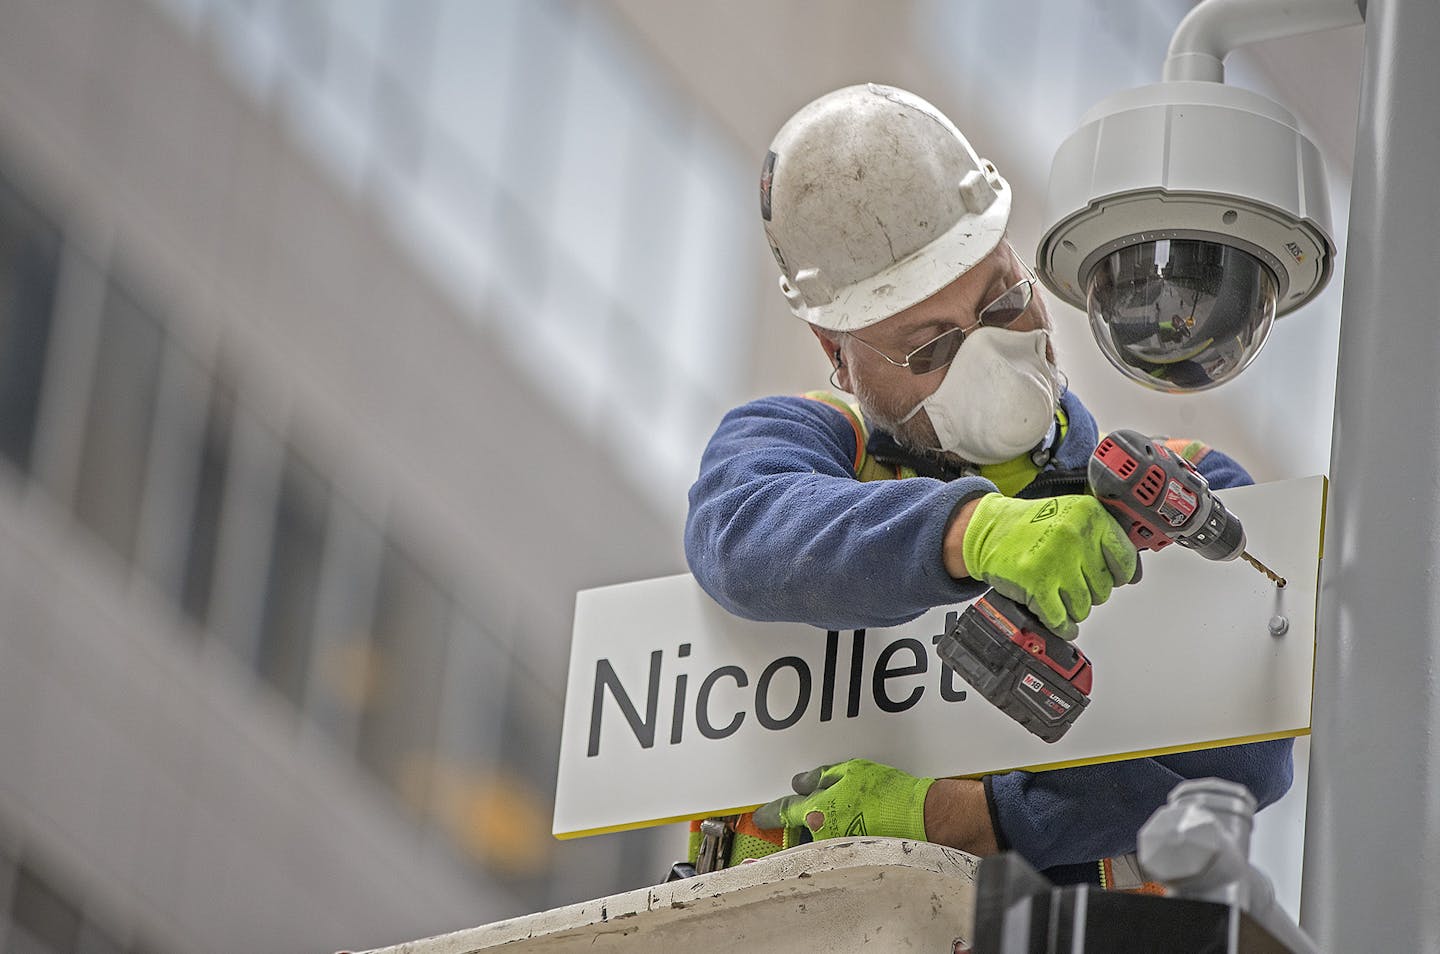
[(1184, 217)]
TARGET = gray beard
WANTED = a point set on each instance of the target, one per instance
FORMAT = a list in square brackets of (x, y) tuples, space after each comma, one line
[(917, 435)]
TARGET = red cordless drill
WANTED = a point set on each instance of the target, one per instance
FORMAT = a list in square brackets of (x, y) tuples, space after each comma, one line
[(1040, 680)]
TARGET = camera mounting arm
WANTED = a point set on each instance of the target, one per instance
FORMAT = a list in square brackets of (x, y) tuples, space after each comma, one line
[(1212, 30)]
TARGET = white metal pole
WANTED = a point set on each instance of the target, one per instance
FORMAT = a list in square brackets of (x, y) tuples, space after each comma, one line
[(1372, 838)]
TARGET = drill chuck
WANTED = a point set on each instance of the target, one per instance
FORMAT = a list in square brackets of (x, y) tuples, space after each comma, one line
[(1219, 536)]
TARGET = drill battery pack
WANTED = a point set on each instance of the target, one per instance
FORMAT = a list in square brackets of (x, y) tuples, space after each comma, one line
[(1005, 654)]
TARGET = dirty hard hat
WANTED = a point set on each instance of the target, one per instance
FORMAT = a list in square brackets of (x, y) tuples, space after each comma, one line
[(873, 201)]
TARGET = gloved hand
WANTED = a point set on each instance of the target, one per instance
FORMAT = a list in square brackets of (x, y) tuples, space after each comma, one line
[(858, 797), (1058, 556)]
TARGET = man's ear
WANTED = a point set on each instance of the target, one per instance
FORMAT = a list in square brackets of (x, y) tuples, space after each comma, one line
[(830, 342)]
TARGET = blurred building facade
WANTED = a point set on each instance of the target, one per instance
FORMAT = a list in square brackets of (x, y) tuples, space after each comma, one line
[(293, 521), (341, 342)]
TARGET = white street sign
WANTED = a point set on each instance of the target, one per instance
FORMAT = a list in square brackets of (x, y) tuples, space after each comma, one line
[(675, 709)]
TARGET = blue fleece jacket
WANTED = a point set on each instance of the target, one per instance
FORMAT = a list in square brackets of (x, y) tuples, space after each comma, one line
[(780, 529)]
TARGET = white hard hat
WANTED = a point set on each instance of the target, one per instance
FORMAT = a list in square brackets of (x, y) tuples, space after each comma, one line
[(873, 201)]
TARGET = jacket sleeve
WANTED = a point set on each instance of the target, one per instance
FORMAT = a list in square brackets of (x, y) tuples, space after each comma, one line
[(779, 528), (1068, 816), (1083, 814), (1222, 471)]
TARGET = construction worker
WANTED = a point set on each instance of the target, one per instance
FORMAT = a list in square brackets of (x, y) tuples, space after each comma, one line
[(890, 234)]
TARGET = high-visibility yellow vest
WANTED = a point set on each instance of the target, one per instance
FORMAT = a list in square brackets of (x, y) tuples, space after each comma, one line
[(866, 467)]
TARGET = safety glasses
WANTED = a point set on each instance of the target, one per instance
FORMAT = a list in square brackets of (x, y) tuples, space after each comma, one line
[(940, 350)]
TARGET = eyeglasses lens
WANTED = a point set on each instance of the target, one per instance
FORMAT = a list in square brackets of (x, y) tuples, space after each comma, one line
[(1000, 313), (1007, 309), (936, 353)]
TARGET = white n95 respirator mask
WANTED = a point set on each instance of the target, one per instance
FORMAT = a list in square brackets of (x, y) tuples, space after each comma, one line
[(998, 397)]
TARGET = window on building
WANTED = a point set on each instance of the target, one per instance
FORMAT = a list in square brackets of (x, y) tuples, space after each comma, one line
[(296, 549), (247, 526), (172, 478), (29, 257), (408, 645), (471, 800), (199, 575), (343, 678), (530, 731), (529, 756), (118, 424)]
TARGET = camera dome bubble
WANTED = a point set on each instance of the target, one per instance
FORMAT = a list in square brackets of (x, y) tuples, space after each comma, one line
[(1181, 315)]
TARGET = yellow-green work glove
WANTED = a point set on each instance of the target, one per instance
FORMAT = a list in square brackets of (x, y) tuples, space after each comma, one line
[(858, 797), (1058, 556)]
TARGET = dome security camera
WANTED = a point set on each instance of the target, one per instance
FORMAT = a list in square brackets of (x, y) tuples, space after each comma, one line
[(1184, 217)]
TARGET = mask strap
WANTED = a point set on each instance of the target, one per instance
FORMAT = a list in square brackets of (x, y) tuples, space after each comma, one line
[(1044, 452), (913, 411)]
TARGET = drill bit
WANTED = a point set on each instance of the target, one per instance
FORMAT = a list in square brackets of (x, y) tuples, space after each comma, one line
[(1278, 580)]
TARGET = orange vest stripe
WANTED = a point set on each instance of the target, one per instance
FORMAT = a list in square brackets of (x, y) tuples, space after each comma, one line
[(825, 397), (1193, 451)]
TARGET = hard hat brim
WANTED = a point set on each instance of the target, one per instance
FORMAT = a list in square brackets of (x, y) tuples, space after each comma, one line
[(915, 277)]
